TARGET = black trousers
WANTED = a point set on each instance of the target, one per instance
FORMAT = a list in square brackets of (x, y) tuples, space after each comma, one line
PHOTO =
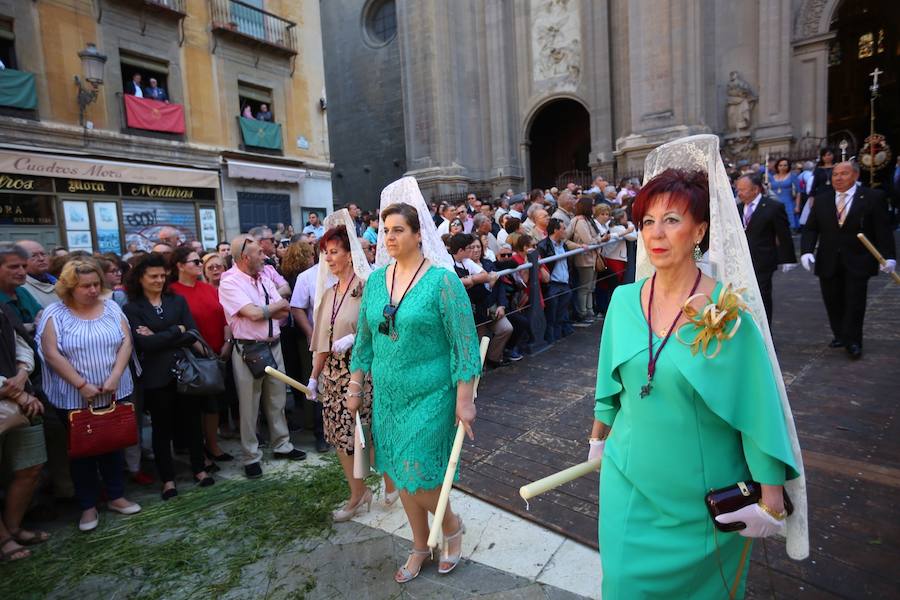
[(764, 280), (171, 412), (845, 302)]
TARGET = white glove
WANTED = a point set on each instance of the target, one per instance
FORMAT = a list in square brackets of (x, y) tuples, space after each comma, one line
[(343, 344), (787, 267), (596, 450), (313, 386), (889, 266), (758, 523), (808, 260)]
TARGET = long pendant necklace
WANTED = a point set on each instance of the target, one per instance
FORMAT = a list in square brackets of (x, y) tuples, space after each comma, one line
[(653, 358), (393, 318), (337, 310)]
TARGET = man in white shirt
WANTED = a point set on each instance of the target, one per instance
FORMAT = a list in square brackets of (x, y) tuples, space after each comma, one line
[(315, 228), (133, 87), (302, 305)]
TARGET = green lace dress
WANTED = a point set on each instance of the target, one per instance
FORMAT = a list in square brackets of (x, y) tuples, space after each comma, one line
[(707, 423), (414, 377)]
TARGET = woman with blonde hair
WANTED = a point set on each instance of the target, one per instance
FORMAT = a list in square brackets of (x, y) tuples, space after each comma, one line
[(85, 342)]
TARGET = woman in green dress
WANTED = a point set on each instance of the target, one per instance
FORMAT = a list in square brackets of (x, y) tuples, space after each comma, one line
[(416, 336), (676, 418)]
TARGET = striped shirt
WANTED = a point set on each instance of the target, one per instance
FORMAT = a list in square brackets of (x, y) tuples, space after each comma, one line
[(90, 346)]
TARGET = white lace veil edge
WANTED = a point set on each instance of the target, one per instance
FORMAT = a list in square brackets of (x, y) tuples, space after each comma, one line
[(728, 261), (361, 265), (406, 191)]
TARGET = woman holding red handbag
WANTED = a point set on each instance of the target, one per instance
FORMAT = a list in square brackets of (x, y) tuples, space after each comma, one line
[(85, 343)]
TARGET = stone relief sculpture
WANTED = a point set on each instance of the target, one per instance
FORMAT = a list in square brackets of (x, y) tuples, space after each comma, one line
[(556, 40), (741, 100)]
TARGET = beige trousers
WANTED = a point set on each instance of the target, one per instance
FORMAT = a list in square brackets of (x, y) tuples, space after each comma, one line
[(271, 393), (499, 332)]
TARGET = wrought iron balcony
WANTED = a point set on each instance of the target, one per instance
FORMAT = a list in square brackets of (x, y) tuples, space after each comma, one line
[(247, 23), (175, 8)]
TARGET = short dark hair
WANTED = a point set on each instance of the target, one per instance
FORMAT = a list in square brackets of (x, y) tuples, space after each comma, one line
[(554, 225), (688, 189), (459, 242), (133, 287), (409, 214), (512, 224), (219, 245), (522, 242), (825, 151)]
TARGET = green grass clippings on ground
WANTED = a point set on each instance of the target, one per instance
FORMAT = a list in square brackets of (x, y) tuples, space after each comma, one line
[(194, 546)]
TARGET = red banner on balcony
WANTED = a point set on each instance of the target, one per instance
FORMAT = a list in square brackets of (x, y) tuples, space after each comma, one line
[(153, 115)]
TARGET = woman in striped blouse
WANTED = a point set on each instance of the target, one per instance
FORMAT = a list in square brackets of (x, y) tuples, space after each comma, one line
[(85, 343)]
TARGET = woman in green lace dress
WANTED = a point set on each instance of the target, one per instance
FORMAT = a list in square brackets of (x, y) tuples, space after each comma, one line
[(416, 336)]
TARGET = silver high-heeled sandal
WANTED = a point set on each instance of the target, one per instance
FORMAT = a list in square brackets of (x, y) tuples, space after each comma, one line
[(345, 514), (403, 574), (447, 558)]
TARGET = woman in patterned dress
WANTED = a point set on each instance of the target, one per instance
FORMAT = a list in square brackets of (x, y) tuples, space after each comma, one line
[(336, 316)]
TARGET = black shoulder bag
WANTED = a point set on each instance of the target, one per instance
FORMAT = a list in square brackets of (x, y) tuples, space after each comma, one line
[(199, 375), (258, 355)]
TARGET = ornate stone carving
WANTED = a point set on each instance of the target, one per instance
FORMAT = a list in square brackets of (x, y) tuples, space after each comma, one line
[(741, 99), (808, 18), (556, 40)]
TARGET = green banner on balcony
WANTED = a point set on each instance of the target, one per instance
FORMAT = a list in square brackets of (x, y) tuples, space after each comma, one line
[(261, 134), (17, 89)]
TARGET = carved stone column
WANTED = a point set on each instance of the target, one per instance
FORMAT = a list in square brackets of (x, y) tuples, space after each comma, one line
[(773, 130)]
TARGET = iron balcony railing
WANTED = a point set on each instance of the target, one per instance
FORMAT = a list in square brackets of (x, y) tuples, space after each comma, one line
[(246, 21), (172, 5)]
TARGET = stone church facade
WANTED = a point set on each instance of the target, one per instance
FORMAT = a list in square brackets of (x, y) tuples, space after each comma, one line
[(492, 94)]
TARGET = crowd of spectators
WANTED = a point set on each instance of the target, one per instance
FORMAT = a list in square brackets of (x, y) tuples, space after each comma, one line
[(80, 329)]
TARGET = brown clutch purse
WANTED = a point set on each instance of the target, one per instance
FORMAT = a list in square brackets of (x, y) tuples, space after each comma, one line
[(736, 497)]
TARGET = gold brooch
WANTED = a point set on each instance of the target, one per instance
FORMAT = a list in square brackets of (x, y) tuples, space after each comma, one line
[(712, 321)]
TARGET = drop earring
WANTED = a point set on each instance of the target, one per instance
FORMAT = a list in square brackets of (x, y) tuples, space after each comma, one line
[(698, 254)]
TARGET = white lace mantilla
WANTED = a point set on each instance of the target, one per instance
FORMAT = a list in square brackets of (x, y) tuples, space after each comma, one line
[(406, 191), (361, 265), (728, 261)]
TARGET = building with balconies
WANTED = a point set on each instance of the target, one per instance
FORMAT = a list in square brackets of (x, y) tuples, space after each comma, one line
[(118, 117)]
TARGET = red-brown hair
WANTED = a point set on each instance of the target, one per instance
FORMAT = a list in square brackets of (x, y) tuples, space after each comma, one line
[(339, 234), (687, 190)]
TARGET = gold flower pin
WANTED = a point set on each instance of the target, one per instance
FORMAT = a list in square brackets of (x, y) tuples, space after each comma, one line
[(712, 321)]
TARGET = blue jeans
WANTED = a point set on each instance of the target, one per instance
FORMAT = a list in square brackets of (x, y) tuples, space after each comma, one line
[(84, 474), (556, 311)]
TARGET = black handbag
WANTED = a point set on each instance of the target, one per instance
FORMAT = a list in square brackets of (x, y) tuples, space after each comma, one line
[(257, 356), (736, 497), (199, 375)]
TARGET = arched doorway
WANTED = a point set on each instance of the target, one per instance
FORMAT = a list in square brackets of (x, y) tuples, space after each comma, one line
[(867, 38), (560, 141)]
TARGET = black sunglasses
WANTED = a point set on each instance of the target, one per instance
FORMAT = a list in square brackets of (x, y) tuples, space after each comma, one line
[(505, 254), (244, 245), (196, 261), (388, 313)]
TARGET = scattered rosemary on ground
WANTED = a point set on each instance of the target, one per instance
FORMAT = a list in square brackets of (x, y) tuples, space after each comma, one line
[(194, 546)]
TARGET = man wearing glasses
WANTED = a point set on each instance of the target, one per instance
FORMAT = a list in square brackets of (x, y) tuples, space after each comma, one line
[(39, 283), (253, 308)]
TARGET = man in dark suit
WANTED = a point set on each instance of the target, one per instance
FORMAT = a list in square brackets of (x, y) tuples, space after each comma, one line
[(842, 263), (768, 235), (156, 92), (133, 87)]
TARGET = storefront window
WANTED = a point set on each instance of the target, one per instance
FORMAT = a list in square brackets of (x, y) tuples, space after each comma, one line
[(26, 209)]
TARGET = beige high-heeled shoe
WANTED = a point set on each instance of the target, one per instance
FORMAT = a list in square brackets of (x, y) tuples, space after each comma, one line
[(454, 559), (348, 512), (403, 574), (391, 497)]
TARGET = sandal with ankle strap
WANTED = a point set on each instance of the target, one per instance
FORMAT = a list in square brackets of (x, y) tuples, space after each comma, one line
[(37, 537), (447, 558), (10, 555), (403, 575)]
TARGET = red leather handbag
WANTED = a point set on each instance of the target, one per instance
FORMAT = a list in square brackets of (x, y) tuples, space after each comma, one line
[(93, 432)]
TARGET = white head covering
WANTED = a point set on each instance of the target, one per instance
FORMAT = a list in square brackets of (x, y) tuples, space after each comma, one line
[(728, 261), (360, 265), (406, 191)]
